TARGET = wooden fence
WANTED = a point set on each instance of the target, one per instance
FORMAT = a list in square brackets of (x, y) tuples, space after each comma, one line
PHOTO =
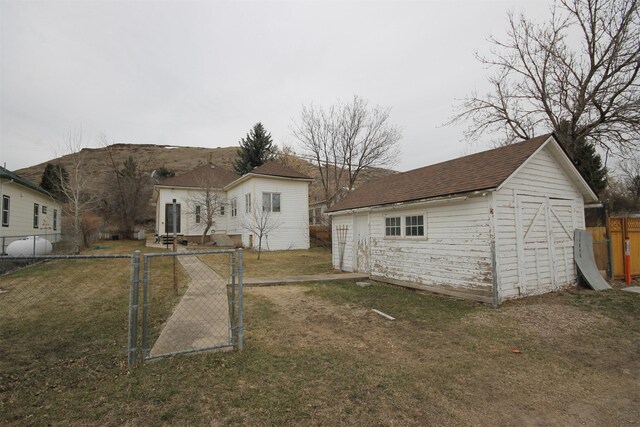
[(619, 230)]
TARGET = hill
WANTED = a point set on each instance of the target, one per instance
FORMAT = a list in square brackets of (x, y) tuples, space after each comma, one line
[(97, 163)]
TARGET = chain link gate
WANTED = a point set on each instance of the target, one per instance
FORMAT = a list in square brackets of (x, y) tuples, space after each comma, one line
[(191, 302)]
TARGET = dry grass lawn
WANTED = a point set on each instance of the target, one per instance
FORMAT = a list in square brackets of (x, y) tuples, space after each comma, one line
[(317, 355)]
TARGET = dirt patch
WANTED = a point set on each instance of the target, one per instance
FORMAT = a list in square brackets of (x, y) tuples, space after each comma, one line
[(312, 321)]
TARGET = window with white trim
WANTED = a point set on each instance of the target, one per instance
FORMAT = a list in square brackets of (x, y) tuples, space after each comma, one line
[(222, 210), (414, 225), (247, 203), (271, 202), (36, 215), (55, 219), (234, 208), (6, 203), (198, 214), (392, 226), (44, 210)]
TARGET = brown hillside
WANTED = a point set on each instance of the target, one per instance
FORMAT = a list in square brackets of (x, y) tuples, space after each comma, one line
[(179, 159)]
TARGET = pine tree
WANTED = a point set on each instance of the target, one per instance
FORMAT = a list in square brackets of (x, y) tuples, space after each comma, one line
[(52, 178), (585, 158), (255, 150)]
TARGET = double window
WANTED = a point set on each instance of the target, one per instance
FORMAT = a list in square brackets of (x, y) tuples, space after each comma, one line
[(271, 202), (36, 215), (5, 210), (414, 226)]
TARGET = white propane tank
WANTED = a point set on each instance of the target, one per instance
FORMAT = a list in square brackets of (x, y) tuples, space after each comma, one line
[(27, 247)]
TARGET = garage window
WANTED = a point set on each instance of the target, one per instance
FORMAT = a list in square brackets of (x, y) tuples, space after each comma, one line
[(392, 226), (414, 225)]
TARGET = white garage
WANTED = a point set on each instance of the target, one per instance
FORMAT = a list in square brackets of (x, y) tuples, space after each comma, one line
[(490, 226)]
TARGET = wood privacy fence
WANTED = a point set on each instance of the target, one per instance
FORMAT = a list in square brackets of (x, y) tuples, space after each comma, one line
[(619, 230), (610, 248)]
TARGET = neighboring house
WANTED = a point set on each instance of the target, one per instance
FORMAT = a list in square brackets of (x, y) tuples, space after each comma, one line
[(27, 210), (490, 226), (272, 194)]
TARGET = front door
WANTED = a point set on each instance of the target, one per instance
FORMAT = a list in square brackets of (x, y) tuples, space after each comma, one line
[(168, 218)]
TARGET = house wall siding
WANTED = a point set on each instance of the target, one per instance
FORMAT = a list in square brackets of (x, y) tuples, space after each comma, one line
[(21, 213), (185, 197), (542, 178), (292, 231)]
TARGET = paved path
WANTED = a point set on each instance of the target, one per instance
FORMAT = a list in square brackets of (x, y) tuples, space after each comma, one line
[(200, 321), (257, 281)]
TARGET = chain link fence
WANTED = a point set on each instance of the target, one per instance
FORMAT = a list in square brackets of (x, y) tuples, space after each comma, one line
[(62, 320), (191, 301), (84, 309)]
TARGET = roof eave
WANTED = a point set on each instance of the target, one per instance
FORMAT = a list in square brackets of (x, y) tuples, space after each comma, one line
[(261, 175), (431, 200)]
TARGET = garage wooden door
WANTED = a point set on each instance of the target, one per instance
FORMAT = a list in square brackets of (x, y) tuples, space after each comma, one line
[(544, 236)]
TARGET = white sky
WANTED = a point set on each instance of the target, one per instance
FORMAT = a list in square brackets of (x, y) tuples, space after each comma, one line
[(203, 73)]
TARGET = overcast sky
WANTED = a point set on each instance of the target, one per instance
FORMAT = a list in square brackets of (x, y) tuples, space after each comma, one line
[(203, 73)]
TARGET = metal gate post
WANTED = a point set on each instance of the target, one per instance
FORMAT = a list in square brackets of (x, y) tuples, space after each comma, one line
[(133, 309), (233, 298), (240, 308), (145, 304)]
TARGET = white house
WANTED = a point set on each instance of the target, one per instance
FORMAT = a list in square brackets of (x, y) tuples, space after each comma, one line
[(27, 210), (490, 226), (272, 200)]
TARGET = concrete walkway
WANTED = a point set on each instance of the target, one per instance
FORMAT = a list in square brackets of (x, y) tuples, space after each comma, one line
[(265, 281), (200, 321)]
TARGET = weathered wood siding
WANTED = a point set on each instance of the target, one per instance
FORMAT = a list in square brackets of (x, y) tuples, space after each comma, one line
[(342, 246), (539, 204), (455, 251)]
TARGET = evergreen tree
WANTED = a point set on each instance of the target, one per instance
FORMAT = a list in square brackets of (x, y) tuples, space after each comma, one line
[(584, 156), (52, 180), (255, 150)]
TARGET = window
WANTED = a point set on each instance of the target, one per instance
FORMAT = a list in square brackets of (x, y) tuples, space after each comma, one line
[(36, 215), (414, 225), (5, 211), (247, 203), (55, 219), (44, 210), (197, 214), (271, 202), (234, 208), (222, 210), (392, 226)]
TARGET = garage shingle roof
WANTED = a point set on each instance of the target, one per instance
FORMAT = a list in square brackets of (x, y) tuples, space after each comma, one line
[(480, 171)]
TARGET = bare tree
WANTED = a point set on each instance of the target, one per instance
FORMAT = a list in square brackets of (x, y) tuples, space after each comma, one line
[(260, 221), (75, 187), (540, 80), (207, 202), (630, 175), (346, 139), (129, 189)]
